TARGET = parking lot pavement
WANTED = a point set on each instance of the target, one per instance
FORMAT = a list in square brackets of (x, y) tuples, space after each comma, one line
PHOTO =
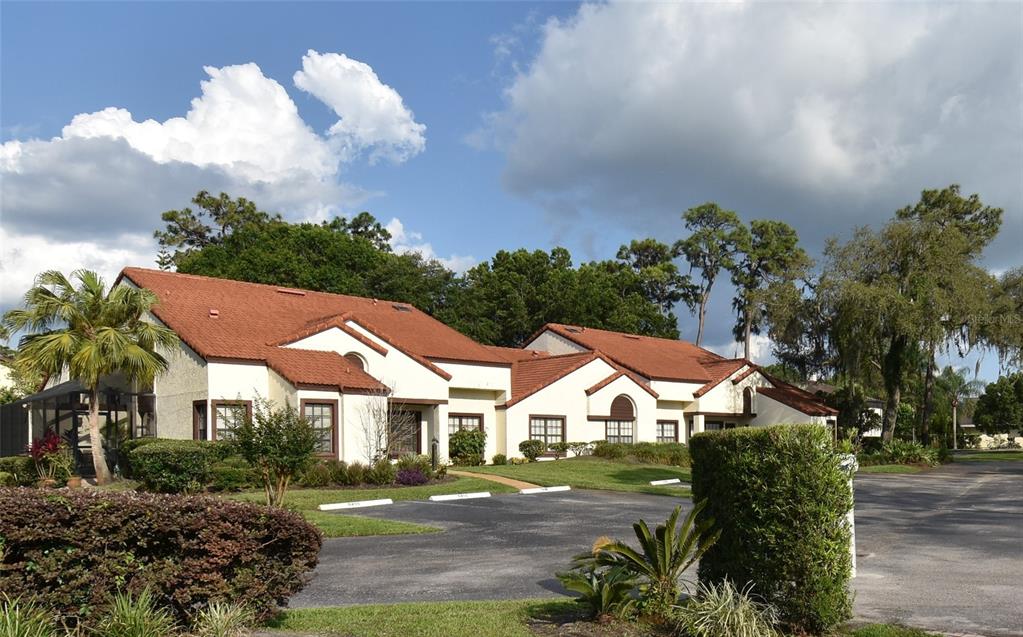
[(940, 550), (503, 547), (944, 549)]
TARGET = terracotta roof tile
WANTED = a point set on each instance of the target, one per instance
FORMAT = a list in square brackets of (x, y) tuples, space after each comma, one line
[(651, 357), (531, 375), (719, 371), (314, 367), (619, 374), (797, 399), (514, 354), (222, 318)]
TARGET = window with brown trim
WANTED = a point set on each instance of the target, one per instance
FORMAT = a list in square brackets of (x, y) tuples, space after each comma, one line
[(356, 360), (667, 431), (404, 432), (460, 422), (713, 425), (322, 415), (619, 431), (228, 414), (749, 406), (548, 429), (200, 420)]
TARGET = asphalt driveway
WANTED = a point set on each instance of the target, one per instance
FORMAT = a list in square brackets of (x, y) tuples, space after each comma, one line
[(504, 547), (944, 549), (941, 550)]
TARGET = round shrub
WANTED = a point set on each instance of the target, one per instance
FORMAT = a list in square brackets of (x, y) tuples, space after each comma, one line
[(317, 474), (412, 461), (70, 552), (23, 468), (381, 473), (532, 449), (8, 479), (467, 446), (499, 458), (233, 474), (411, 477), (354, 474), (780, 498), (174, 466)]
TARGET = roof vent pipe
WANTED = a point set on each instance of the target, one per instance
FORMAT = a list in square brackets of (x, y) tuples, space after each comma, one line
[(214, 313)]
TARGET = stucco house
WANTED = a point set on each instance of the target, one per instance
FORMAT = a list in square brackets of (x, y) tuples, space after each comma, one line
[(343, 361)]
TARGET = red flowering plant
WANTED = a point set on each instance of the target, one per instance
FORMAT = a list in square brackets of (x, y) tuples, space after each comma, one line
[(52, 457)]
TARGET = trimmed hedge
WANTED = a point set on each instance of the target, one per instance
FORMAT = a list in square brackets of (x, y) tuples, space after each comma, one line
[(666, 453), (22, 469), (467, 446), (780, 499), (70, 551), (176, 466)]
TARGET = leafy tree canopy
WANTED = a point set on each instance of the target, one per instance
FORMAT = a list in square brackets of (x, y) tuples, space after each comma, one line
[(1001, 404)]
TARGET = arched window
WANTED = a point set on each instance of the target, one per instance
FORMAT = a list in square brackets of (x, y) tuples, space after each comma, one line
[(357, 361), (621, 422), (749, 407)]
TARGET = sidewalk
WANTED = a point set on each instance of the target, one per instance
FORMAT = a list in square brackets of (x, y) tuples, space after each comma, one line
[(517, 484)]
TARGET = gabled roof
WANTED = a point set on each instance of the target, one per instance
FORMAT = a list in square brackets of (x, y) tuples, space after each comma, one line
[(221, 318), (514, 354), (619, 374), (338, 322), (327, 369), (529, 376), (797, 399), (719, 372), (652, 357)]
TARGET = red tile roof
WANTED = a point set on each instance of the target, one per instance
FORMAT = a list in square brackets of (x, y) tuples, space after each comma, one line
[(327, 369), (514, 354), (796, 398), (654, 358), (529, 376), (719, 372), (222, 318)]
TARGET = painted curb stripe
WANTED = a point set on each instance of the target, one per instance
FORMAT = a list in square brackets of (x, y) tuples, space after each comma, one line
[(543, 490), (459, 496), (660, 482), (355, 505)]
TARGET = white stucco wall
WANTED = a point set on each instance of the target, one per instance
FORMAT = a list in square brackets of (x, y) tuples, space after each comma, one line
[(238, 380), (548, 341), (468, 376), (644, 404), (476, 401), (674, 390), (184, 381), (772, 412)]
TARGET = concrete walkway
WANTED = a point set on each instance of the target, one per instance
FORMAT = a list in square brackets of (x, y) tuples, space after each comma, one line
[(511, 482)]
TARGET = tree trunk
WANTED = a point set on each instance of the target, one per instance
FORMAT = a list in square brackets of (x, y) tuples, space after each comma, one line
[(955, 434), (748, 329), (891, 370), (702, 318), (928, 406), (99, 457)]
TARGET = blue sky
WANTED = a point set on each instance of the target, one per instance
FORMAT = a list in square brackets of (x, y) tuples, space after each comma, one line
[(545, 123)]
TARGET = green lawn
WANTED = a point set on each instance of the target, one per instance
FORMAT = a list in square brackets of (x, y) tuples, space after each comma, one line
[(305, 502), (891, 468), (982, 456), (468, 619), (589, 472), (440, 619)]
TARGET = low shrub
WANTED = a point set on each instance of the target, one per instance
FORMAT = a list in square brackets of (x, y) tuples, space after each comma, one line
[(411, 477), (135, 616), (125, 449), (666, 453), (23, 469), (20, 618), (233, 474), (71, 551), (532, 449), (175, 466), (318, 474), (499, 458), (580, 448), (8, 479), (413, 461), (223, 620), (605, 592), (467, 446), (779, 497), (381, 473), (559, 449), (354, 474), (721, 610)]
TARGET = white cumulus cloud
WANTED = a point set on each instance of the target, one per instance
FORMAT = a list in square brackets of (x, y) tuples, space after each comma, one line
[(372, 113), (404, 241)]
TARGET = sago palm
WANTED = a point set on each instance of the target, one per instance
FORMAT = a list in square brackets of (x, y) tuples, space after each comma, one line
[(663, 555), (92, 333)]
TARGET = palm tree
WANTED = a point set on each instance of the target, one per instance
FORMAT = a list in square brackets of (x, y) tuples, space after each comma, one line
[(957, 387), (92, 333)]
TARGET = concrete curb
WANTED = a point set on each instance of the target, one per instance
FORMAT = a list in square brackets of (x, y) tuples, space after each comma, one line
[(658, 483), (459, 496), (536, 490), (358, 504)]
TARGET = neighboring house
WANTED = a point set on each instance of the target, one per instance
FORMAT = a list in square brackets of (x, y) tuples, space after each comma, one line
[(343, 361)]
